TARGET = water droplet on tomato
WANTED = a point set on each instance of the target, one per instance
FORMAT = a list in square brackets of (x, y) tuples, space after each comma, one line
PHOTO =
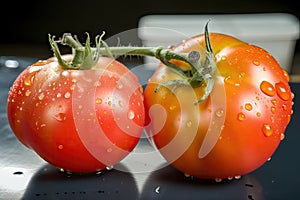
[(60, 146), (282, 136), (28, 81), (41, 96), (241, 117), (231, 81), (220, 112), (131, 114), (282, 91), (218, 180), (274, 102), (98, 101), (273, 109), (255, 62), (286, 75), (248, 106), (120, 104), (67, 95), (109, 150), (237, 177), (60, 117), (120, 86), (267, 88), (189, 124), (27, 93), (109, 167), (223, 58), (284, 106), (267, 130), (104, 112), (172, 107)]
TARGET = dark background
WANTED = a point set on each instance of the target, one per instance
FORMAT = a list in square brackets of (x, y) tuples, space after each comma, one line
[(26, 24)]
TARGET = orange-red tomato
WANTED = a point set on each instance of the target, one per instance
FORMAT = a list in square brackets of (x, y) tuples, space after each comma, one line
[(237, 128), (77, 120)]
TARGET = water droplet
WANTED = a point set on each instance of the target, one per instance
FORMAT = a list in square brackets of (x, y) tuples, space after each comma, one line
[(60, 146), (220, 112), (267, 88), (109, 150), (67, 95), (120, 86), (267, 130), (120, 104), (28, 81), (237, 177), (104, 112), (248, 106), (60, 117), (189, 124), (27, 93), (286, 75), (274, 102), (273, 109), (218, 180), (110, 167), (98, 101), (131, 114), (282, 136), (223, 58), (255, 62), (282, 91), (41, 96), (231, 81), (172, 107), (65, 73), (241, 117), (284, 106)]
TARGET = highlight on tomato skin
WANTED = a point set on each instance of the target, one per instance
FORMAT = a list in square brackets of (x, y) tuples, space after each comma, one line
[(233, 131), (77, 120)]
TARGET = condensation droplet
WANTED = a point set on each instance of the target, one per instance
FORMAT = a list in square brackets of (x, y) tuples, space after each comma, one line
[(60, 117), (189, 124), (274, 102), (267, 130), (267, 88), (41, 96), (58, 95), (104, 112), (273, 109), (223, 58), (172, 107), (255, 62), (67, 95), (231, 81), (27, 93), (286, 75), (119, 86), (248, 106), (98, 101), (282, 136), (109, 167), (28, 81), (241, 117), (218, 180), (220, 113), (282, 91), (60, 146), (131, 114), (109, 150), (120, 104), (284, 107), (237, 177)]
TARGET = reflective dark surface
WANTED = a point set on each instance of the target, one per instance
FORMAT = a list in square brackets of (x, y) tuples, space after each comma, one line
[(24, 175)]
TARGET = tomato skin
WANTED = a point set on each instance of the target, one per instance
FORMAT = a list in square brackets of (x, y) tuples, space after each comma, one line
[(237, 128), (72, 118)]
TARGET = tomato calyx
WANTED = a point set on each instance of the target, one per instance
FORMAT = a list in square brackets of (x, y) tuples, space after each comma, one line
[(199, 73)]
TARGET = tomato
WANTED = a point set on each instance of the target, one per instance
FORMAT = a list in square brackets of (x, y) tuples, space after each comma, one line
[(77, 120), (240, 124)]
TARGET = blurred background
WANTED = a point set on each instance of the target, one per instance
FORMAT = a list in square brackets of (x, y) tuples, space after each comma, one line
[(26, 24)]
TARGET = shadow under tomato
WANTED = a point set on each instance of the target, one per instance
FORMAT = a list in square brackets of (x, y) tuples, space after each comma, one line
[(168, 183), (49, 183)]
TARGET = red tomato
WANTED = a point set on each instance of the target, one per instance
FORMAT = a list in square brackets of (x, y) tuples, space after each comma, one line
[(237, 128), (77, 120)]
